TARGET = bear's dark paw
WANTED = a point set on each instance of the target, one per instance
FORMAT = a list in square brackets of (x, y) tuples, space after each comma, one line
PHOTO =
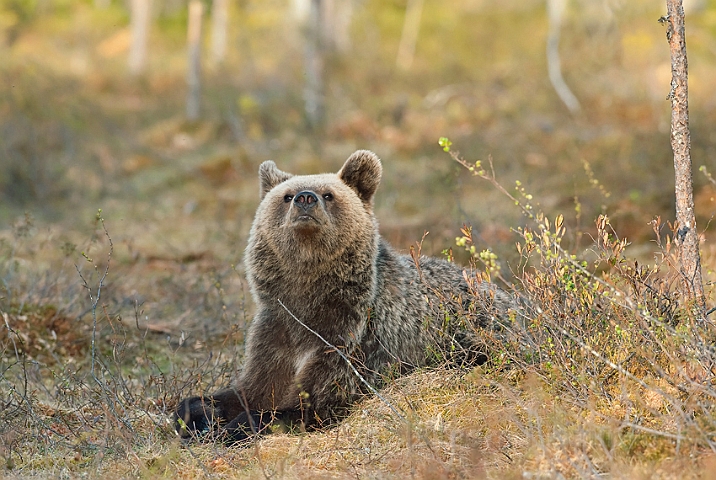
[(198, 416), (246, 426)]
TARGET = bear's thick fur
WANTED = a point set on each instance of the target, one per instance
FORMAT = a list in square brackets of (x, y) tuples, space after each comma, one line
[(315, 247)]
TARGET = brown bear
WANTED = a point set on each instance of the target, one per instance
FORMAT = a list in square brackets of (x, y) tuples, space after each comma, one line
[(315, 255)]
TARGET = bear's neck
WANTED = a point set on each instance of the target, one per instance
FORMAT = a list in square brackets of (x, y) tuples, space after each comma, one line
[(321, 283)]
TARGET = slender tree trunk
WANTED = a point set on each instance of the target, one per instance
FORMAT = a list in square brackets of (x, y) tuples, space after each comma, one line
[(314, 90), (337, 25), (687, 236), (193, 75), (555, 10), (409, 37), (139, 20), (219, 20)]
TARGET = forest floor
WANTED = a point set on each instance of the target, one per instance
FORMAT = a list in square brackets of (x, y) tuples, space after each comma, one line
[(122, 230)]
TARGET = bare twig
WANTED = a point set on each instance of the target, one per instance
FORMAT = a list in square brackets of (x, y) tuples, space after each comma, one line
[(348, 361), (94, 299)]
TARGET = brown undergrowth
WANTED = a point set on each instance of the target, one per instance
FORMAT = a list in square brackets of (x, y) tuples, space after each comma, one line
[(608, 373)]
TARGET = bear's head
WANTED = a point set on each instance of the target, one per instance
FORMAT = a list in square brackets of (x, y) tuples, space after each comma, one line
[(316, 218)]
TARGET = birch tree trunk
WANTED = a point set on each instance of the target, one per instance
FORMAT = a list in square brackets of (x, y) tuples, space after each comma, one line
[(193, 75), (409, 36), (139, 25), (314, 64), (555, 10), (687, 236), (219, 20), (337, 17)]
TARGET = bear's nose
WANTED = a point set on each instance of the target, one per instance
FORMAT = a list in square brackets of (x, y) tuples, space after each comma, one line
[(305, 199)]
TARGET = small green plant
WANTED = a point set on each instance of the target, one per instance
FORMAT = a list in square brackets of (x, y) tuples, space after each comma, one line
[(609, 329), (486, 257), (445, 143)]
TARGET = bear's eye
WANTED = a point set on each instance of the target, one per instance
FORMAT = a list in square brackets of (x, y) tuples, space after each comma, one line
[(328, 196), (287, 198)]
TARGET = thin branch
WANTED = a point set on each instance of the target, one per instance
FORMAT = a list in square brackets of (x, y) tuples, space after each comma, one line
[(348, 361)]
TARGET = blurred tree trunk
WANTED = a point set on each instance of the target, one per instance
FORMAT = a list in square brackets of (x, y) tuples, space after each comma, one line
[(409, 37), (336, 35), (555, 10), (193, 75), (139, 22), (687, 236), (300, 9), (219, 21), (314, 90)]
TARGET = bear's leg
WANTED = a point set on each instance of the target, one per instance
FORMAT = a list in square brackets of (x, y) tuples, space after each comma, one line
[(253, 422), (266, 379), (195, 416), (323, 392), (198, 416), (321, 395)]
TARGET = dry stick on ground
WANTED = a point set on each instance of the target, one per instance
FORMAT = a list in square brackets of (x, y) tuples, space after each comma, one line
[(687, 235)]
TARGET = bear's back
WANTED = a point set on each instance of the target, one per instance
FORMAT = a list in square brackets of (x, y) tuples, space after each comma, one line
[(408, 303)]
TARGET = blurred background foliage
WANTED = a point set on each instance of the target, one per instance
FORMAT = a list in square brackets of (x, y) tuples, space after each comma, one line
[(80, 129)]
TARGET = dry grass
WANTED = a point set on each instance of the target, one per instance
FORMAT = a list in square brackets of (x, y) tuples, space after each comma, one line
[(611, 376)]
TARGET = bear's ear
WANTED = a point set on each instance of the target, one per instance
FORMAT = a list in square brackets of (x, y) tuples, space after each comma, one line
[(270, 176), (362, 172)]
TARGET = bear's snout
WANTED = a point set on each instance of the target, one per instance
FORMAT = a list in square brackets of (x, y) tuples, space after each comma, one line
[(307, 212), (306, 200)]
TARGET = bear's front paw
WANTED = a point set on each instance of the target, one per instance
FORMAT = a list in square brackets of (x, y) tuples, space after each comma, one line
[(198, 416), (246, 425)]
